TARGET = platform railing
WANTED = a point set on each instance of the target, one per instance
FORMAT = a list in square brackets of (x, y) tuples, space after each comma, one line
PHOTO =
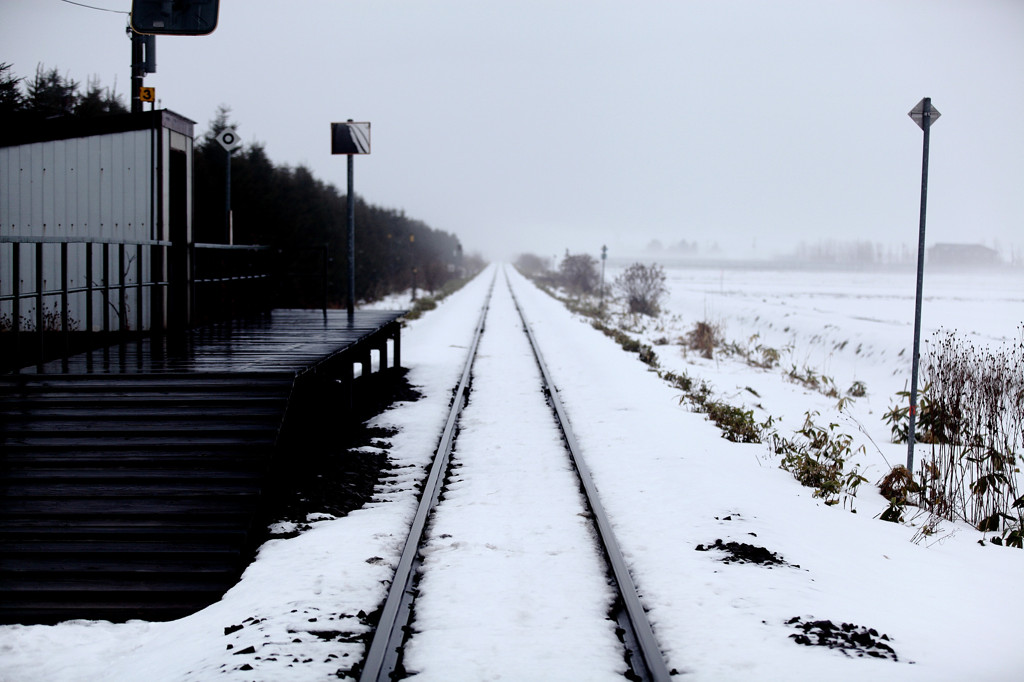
[(63, 294), (125, 267), (230, 280)]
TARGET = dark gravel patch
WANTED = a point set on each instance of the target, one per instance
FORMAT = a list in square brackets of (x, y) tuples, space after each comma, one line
[(742, 553), (851, 640)]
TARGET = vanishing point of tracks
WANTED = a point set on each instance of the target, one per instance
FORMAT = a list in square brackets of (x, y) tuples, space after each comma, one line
[(384, 659)]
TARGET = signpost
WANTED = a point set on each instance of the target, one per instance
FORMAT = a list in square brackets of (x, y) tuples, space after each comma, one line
[(229, 140), (924, 115), (351, 138)]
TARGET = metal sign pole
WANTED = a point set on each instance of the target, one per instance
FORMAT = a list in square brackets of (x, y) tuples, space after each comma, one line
[(229, 140), (351, 138), (227, 199), (924, 115), (351, 240)]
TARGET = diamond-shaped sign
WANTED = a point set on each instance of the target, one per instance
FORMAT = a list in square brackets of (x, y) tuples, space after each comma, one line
[(229, 139), (917, 113)]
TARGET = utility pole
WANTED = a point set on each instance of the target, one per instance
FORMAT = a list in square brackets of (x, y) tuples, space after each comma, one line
[(143, 62), (604, 257), (924, 115)]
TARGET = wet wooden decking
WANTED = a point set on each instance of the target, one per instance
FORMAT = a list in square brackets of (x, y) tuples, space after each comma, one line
[(280, 341), (130, 477)]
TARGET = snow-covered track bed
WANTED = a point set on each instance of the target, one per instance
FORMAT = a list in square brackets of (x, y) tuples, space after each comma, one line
[(490, 583)]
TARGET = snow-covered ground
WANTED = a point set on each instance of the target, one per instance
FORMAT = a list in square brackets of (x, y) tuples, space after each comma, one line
[(844, 326), (513, 583), (670, 483), (949, 606)]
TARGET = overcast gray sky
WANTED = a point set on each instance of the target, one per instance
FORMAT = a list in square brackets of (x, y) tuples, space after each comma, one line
[(545, 125)]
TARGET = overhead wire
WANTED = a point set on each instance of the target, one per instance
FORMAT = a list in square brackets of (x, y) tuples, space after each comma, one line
[(102, 9)]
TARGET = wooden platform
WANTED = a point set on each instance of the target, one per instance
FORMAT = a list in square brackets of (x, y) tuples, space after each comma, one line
[(285, 340), (130, 477)]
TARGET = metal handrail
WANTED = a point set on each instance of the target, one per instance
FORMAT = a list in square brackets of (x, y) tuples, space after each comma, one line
[(111, 261), (234, 247), (17, 239)]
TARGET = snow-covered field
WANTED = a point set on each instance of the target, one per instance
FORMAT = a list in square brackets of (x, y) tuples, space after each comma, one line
[(949, 606), (845, 326)]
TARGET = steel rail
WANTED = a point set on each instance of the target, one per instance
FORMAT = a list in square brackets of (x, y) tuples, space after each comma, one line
[(644, 655), (383, 654)]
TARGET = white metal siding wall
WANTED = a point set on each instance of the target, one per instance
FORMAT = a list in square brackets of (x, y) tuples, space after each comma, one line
[(95, 188), (174, 141)]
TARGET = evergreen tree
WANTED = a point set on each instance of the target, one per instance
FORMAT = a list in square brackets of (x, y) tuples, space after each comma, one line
[(49, 94), (11, 99), (99, 101), (305, 220)]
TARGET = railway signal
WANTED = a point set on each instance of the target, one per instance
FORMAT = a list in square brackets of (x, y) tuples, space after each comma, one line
[(924, 114)]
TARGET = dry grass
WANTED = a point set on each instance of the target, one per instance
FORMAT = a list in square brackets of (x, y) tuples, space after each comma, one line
[(704, 337)]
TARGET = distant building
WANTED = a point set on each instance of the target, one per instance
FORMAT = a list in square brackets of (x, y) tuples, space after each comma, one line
[(962, 255)]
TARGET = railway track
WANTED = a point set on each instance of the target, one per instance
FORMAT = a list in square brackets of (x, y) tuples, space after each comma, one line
[(512, 442)]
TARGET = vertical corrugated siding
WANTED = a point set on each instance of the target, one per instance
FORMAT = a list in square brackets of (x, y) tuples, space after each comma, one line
[(6, 286), (5, 190), (95, 187)]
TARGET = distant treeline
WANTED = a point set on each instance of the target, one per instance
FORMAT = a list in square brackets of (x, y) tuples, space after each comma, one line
[(50, 95), (863, 252), (825, 251), (851, 253), (294, 212), (300, 217)]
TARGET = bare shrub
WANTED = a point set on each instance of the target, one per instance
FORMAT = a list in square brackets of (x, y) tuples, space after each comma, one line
[(579, 273), (643, 287), (531, 265)]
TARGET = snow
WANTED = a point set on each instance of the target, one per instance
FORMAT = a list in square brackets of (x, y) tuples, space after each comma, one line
[(667, 479), (513, 586)]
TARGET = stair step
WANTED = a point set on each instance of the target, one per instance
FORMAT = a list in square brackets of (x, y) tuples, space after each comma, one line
[(130, 495)]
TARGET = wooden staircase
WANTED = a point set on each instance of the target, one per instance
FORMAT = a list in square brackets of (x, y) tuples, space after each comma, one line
[(130, 495)]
